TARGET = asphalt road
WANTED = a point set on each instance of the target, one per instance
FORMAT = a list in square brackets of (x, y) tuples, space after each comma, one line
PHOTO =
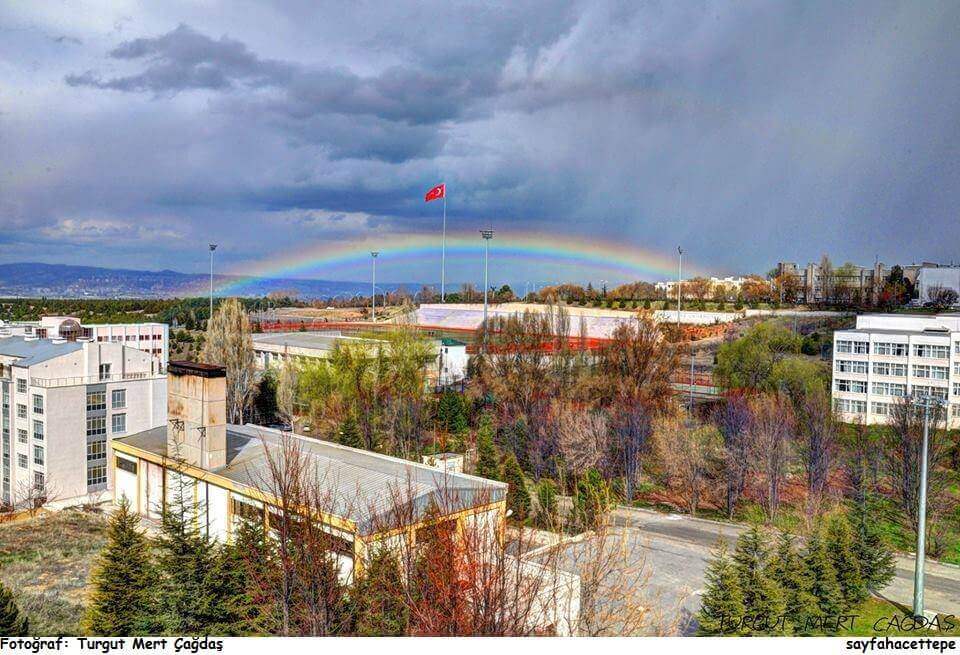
[(677, 548)]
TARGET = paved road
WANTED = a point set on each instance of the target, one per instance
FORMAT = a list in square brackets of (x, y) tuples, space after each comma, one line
[(678, 548)]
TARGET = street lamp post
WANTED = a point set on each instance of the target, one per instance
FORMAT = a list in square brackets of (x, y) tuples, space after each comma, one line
[(679, 282), (928, 403), (213, 247), (373, 287), (487, 235)]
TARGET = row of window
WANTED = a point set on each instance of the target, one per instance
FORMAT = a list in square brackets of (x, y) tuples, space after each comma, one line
[(927, 371), (97, 400), (927, 351), (38, 457), (97, 425), (893, 389)]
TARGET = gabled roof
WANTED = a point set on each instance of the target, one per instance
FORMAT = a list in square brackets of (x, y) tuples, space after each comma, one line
[(35, 351)]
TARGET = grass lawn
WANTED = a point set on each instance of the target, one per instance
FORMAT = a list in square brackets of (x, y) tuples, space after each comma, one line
[(46, 562), (879, 618)]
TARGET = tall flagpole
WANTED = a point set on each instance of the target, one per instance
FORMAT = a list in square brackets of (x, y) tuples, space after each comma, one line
[(443, 249)]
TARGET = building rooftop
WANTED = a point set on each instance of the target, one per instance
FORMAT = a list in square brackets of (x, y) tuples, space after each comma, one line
[(314, 340), (32, 351), (362, 486)]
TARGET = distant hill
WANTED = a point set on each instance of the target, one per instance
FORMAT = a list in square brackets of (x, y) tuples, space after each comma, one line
[(63, 281)]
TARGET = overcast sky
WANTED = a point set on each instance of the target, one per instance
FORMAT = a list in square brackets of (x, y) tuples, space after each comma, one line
[(749, 132)]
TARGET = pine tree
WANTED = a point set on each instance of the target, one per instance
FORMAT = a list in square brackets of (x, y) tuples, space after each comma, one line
[(451, 413), (823, 577), (488, 461), (592, 499), (518, 498), (258, 559), (13, 623), (349, 432), (762, 597), (547, 516), (839, 543), (871, 550), (787, 568), (721, 607), (123, 580), (229, 608), (378, 598)]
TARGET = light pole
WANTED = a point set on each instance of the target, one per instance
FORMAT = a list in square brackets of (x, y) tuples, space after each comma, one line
[(213, 247), (679, 283), (487, 235), (373, 287), (928, 403)]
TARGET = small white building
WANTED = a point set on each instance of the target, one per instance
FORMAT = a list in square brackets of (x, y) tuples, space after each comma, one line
[(931, 279), (63, 401), (887, 357)]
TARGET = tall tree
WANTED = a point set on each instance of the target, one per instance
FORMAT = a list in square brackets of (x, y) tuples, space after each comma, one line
[(877, 566), (123, 581), (229, 343), (839, 543), (518, 498), (378, 597), (349, 432), (823, 577), (771, 428), (762, 596), (733, 421), (788, 570), (488, 460), (721, 607)]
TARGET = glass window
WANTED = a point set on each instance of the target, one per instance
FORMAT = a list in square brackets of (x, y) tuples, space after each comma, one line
[(96, 400), (118, 398), (38, 430), (935, 392), (119, 423), (921, 371), (96, 450), (848, 366), (861, 347), (930, 351), (881, 409), (21, 385), (126, 465), (887, 348), (96, 425), (97, 475), (105, 371), (21, 435), (38, 455), (844, 347), (21, 410), (37, 404), (848, 406), (853, 386), (22, 460), (38, 481)]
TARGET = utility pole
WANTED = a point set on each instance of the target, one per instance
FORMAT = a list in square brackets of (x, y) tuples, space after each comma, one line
[(373, 287), (213, 247), (928, 403), (679, 283), (487, 235)]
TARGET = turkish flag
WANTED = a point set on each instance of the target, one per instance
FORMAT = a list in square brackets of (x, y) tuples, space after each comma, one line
[(439, 191)]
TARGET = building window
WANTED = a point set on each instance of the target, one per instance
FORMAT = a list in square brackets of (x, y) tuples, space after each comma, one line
[(935, 392), (118, 398), (38, 455), (931, 372), (955, 411), (21, 435), (38, 481), (861, 347), (96, 450), (126, 465), (97, 475), (881, 409), (246, 511), (850, 406), (105, 371), (96, 400), (849, 366), (118, 423), (22, 460), (887, 348), (38, 430), (37, 404), (852, 386), (844, 347), (931, 352), (96, 426), (956, 388), (21, 385), (886, 368), (21, 410), (889, 389)]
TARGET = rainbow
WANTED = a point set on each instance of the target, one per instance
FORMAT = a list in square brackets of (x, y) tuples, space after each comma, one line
[(598, 256)]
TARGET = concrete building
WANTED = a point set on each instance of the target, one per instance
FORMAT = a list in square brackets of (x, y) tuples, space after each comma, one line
[(225, 467), (931, 279), (63, 401), (153, 338), (448, 364), (887, 357)]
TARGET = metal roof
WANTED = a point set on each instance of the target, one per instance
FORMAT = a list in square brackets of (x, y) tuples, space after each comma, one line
[(34, 351), (360, 485)]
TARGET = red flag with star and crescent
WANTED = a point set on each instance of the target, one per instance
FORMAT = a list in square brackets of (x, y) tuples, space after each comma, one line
[(437, 192)]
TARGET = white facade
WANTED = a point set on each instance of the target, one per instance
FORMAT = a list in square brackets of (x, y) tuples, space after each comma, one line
[(890, 356), (62, 404), (933, 278)]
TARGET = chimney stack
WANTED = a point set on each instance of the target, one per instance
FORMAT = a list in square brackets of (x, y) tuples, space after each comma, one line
[(197, 414)]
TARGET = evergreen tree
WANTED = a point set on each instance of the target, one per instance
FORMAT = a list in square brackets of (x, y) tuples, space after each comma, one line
[(762, 597), (379, 607), (349, 432), (518, 498), (823, 577), (123, 580), (870, 548), (451, 413), (721, 607), (229, 607), (520, 442), (13, 623), (788, 570), (592, 500), (839, 543), (258, 561), (547, 515), (488, 461)]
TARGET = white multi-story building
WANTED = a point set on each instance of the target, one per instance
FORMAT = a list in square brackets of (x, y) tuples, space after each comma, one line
[(153, 338), (63, 401), (890, 356)]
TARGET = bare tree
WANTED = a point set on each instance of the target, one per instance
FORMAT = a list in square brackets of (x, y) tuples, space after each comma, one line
[(229, 343), (287, 382), (771, 429), (818, 429), (687, 449), (583, 436), (733, 420), (632, 428)]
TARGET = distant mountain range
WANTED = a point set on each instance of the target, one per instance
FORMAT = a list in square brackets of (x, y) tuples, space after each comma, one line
[(62, 281)]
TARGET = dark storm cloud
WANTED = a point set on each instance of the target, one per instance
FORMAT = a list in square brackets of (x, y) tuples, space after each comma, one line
[(748, 131)]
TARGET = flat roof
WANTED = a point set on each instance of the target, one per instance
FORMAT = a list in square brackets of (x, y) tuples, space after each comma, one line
[(361, 485), (315, 340), (34, 351)]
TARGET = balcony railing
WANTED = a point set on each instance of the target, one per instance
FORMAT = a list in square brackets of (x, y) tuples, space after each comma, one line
[(92, 379)]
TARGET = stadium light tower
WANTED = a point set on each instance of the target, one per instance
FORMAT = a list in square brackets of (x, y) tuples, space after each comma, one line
[(213, 247), (927, 403), (487, 235), (373, 287), (679, 283)]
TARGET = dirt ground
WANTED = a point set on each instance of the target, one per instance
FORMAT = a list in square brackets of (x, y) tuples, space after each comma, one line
[(46, 561)]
